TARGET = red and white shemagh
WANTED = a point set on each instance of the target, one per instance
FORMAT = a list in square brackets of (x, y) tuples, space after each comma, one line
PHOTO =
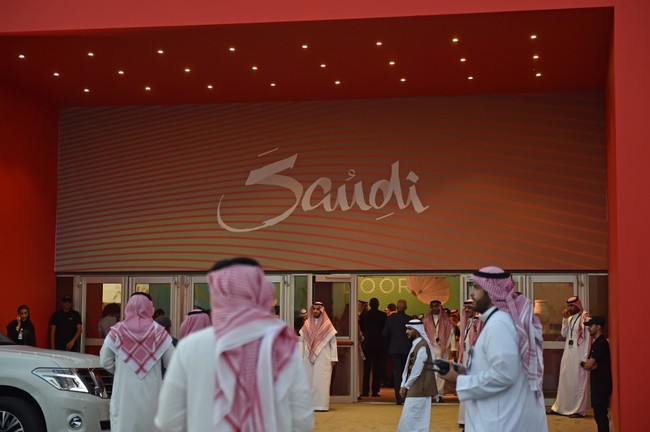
[(194, 321), (253, 349), (472, 333), (584, 316), (138, 341), (527, 324), (444, 329), (317, 333)]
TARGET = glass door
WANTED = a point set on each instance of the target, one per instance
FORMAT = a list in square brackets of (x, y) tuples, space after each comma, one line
[(338, 293), (199, 295), (166, 295), (101, 307), (549, 293)]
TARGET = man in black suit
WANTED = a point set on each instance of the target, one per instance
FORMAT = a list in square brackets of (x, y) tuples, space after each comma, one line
[(399, 344), (372, 324)]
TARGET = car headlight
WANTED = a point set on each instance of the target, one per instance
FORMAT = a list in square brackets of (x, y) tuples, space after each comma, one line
[(62, 379)]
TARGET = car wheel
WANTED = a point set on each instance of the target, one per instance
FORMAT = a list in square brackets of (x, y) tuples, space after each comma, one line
[(16, 415)]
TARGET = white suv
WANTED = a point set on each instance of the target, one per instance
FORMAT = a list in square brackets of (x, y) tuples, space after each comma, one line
[(43, 390)]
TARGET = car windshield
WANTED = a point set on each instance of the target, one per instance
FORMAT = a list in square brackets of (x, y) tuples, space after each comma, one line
[(4, 340)]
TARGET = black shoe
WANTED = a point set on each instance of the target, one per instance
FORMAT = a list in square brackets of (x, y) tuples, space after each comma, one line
[(375, 395), (551, 412)]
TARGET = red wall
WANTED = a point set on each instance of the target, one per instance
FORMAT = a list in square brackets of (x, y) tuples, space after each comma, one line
[(629, 225), (28, 164), (45, 15)]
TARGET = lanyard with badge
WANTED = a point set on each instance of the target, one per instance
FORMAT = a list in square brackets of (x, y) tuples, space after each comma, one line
[(471, 351), (572, 325)]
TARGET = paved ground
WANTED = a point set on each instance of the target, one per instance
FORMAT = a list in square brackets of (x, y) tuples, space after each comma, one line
[(384, 416)]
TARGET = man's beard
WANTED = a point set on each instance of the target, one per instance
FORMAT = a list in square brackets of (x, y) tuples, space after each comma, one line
[(482, 304)]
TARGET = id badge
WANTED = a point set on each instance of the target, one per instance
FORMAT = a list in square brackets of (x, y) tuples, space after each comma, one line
[(570, 343)]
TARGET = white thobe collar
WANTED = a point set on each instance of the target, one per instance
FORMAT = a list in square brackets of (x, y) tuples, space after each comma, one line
[(416, 341), (484, 316)]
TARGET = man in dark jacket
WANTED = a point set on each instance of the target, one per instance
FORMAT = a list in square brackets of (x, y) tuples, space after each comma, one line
[(372, 324), (398, 344), (599, 365)]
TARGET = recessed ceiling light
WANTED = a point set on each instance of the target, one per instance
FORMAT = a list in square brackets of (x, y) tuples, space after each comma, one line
[(90, 54), (147, 88), (392, 63), (21, 56), (231, 49), (323, 65), (403, 79), (272, 84), (337, 82), (86, 90), (161, 52), (379, 43), (470, 77), (463, 59), (533, 36), (535, 57), (121, 72), (254, 68), (455, 40), (209, 86), (305, 46), (188, 70), (56, 74), (538, 74)]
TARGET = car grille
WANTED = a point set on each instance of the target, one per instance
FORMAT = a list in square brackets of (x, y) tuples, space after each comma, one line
[(98, 381)]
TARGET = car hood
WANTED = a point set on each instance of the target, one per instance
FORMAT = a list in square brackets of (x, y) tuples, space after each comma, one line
[(47, 357)]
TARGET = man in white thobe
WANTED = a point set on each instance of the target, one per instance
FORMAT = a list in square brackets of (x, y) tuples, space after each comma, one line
[(440, 331), (244, 372), (502, 384), (469, 334), (418, 381), (320, 354), (572, 388)]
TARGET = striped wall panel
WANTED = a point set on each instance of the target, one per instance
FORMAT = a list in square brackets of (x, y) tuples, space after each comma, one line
[(406, 184)]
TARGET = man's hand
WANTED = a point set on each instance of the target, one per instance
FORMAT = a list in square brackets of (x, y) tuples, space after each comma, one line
[(402, 392), (69, 345), (452, 375)]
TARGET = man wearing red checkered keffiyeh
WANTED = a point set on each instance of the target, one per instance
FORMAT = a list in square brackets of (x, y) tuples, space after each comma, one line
[(502, 384), (242, 374), (134, 351), (320, 354)]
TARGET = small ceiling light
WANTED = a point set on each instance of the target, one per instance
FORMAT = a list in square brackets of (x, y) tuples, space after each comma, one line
[(209, 86), (120, 72), (231, 49), (463, 60), (272, 84), (56, 74), (161, 52), (379, 43), (470, 77), (454, 40), (403, 79), (305, 46), (533, 36), (535, 57), (21, 56), (86, 90), (147, 88), (392, 63), (187, 70), (538, 74), (323, 65), (337, 82), (90, 54), (254, 68)]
